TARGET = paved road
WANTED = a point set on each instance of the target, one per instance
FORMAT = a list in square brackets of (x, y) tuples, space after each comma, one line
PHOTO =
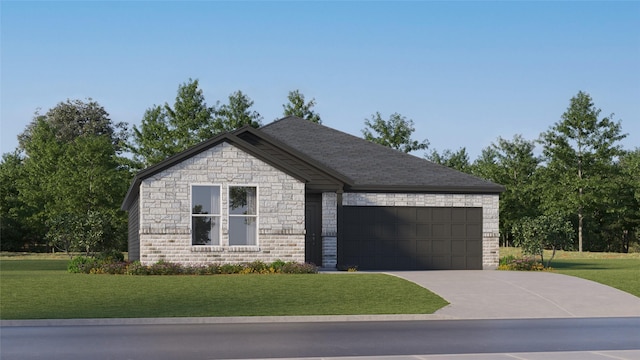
[(319, 339)]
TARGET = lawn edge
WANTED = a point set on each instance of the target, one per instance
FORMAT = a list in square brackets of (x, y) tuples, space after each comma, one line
[(222, 320)]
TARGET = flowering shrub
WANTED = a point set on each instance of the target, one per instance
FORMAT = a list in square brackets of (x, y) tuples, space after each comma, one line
[(87, 265), (521, 264)]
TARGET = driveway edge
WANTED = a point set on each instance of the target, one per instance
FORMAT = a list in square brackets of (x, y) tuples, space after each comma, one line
[(222, 320)]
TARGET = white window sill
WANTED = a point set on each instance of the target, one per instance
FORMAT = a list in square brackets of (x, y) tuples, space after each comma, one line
[(243, 248), (206, 248)]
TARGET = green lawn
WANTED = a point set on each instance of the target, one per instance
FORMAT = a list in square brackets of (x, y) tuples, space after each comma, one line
[(621, 271), (42, 289)]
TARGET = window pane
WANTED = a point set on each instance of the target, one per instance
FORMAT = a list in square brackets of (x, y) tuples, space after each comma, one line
[(243, 200), (205, 200), (242, 230), (205, 230)]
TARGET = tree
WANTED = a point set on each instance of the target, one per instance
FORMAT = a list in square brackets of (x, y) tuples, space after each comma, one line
[(237, 113), (73, 178), (579, 152), (166, 130), (394, 133), (512, 164), (15, 234), (153, 141), (533, 235), (190, 117), (618, 219), (458, 160), (298, 107), (74, 118)]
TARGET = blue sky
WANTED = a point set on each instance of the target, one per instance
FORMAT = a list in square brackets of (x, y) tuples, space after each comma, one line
[(464, 72)]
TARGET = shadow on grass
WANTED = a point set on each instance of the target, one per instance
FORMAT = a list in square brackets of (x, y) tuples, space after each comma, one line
[(577, 265), (596, 264), (33, 265)]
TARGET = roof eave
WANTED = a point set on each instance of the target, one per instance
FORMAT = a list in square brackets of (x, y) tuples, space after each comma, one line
[(293, 152), (487, 190)]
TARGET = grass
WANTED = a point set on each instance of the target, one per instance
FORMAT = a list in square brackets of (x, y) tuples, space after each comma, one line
[(42, 289), (621, 271)]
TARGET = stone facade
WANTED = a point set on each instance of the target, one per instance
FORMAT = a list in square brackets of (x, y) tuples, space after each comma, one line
[(165, 210), (488, 203), (329, 230)]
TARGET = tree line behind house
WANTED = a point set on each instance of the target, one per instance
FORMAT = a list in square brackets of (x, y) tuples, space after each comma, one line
[(61, 189)]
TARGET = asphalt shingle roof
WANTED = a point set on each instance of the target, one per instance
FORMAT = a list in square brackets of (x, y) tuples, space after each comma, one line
[(370, 165)]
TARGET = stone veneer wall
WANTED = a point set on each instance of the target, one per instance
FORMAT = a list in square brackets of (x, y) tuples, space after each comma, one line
[(329, 230), (488, 203), (165, 210)]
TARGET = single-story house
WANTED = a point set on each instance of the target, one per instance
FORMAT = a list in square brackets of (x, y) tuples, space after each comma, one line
[(298, 191)]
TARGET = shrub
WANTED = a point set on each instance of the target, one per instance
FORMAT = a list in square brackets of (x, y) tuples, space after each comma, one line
[(277, 265), (230, 269), (82, 264), (136, 268), (86, 265), (257, 267), (298, 268), (521, 264), (505, 260)]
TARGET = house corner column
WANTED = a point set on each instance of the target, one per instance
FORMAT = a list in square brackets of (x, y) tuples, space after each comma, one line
[(491, 232)]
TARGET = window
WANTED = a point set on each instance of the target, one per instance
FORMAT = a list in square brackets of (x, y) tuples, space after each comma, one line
[(205, 215), (243, 215)]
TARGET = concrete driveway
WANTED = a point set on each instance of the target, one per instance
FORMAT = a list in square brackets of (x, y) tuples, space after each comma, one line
[(492, 294)]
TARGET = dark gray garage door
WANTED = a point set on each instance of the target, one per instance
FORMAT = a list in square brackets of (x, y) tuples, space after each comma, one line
[(410, 238)]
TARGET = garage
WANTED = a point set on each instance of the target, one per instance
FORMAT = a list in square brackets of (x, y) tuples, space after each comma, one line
[(410, 238)]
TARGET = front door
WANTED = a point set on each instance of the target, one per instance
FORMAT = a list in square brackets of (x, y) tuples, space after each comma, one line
[(313, 226)]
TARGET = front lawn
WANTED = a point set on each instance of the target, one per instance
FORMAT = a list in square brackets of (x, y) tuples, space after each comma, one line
[(621, 271), (43, 289), (623, 274)]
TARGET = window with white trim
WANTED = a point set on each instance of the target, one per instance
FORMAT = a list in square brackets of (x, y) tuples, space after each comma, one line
[(205, 215), (243, 215)]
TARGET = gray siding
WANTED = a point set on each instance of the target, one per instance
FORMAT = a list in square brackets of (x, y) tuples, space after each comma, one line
[(134, 233)]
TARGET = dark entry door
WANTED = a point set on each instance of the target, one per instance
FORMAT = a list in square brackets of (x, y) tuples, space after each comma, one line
[(411, 238), (313, 226)]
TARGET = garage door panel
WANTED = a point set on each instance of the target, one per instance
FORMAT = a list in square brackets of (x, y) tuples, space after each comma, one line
[(459, 215), (424, 262), (423, 231), (409, 238), (423, 247), (474, 231), (459, 247), (406, 247), (406, 231), (474, 215), (405, 262), (441, 247), (474, 263), (441, 262), (441, 215), (458, 262), (441, 230), (423, 215), (458, 231), (406, 215), (474, 248)]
